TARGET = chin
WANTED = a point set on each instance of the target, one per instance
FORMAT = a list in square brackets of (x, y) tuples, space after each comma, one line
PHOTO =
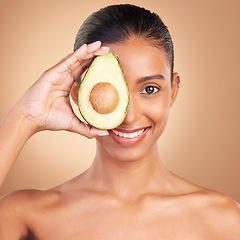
[(124, 154), (128, 155)]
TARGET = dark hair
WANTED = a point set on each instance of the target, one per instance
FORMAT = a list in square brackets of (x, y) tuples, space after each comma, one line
[(117, 23)]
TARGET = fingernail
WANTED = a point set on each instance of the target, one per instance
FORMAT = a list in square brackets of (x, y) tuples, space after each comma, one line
[(103, 134), (97, 42), (83, 45), (105, 48)]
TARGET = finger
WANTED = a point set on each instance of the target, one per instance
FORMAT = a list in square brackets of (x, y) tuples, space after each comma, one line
[(85, 129), (85, 52), (76, 69), (92, 51), (86, 61), (77, 72), (74, 58), (101, 51), (78, 58), (92, 47)]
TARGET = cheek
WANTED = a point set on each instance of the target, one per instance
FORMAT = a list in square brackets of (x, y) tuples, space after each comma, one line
[(159, 114), (158, 111), (158, 107)]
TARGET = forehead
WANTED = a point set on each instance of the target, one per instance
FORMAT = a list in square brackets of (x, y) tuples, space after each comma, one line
[(138, 58)]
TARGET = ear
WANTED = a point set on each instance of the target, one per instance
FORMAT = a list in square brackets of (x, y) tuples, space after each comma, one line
[(175, 87), (74, 92)]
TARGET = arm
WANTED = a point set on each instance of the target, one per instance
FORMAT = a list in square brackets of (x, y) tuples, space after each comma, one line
[(46, 106), (12, 222), (14, 132)]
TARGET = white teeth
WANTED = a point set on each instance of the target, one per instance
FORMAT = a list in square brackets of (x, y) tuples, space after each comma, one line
[(119, 134), (130, 135)]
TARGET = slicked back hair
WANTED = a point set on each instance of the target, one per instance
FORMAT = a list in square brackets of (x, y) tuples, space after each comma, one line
[(118, 23)]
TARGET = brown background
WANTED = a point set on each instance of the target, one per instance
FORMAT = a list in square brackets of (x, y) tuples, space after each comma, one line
[(201, 142)]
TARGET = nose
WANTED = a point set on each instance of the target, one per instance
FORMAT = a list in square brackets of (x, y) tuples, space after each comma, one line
[(133, 113)]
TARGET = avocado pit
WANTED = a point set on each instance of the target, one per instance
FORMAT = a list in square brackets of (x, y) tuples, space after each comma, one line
[(104, 98)]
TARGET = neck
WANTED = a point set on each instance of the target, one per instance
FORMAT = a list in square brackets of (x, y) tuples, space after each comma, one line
[(127, 178)]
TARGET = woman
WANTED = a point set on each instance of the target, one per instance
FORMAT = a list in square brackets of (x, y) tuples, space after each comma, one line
[(127, 193)]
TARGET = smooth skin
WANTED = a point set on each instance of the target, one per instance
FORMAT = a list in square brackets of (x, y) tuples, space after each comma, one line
[(127, 193)]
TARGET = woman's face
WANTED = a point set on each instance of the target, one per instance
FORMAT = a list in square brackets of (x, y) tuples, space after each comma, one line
[(148, 76)]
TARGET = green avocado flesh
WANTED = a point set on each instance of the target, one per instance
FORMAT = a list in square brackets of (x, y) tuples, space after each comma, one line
[(103, 94)]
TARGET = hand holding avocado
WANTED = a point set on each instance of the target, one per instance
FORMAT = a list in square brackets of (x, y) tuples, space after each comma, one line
[(46, 106), (47, 103)]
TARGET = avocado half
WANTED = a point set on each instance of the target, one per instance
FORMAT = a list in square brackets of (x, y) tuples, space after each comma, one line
[(103, 94)]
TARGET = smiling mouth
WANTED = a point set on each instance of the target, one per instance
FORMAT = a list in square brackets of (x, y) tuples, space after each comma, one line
[(126, 137), (129, 135)]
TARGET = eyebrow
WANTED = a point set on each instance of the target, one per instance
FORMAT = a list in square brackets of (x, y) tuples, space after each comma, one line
[(147, 78)]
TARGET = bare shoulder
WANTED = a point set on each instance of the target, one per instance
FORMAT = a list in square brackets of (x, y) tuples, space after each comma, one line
[(216, 201), (17, 211), (28, 198), (220, 213)]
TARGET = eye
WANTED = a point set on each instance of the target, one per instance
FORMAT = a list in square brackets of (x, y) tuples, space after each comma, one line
[(150, 90)]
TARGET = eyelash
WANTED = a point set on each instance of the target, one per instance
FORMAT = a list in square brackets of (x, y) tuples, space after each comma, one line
[(153, 90)]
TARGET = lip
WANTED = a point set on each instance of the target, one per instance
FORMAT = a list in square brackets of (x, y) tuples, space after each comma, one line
[(128, 141)]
